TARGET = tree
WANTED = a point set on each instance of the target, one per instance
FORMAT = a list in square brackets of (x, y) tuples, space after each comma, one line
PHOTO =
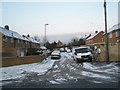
[(74, 39), (37, 38)]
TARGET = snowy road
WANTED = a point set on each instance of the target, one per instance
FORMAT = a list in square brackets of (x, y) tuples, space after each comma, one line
[(62, 72)]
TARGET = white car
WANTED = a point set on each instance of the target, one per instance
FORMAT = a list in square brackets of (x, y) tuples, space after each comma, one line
[(55, 55), (68, 50), (82, 54)]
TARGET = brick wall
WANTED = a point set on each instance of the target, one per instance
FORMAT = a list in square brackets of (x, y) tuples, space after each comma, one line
[(113, 39), (114, 53), (96, 39), (21, 60)]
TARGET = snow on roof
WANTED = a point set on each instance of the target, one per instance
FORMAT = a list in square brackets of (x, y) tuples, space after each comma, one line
[(85, 36), (32, 40), (92, 36), (13, 34), (113, 28)]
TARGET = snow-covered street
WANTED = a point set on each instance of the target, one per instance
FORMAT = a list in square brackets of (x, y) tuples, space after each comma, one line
[(59, 72)]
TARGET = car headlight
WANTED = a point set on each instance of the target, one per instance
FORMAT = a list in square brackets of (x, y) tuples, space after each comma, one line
[(78, 56)]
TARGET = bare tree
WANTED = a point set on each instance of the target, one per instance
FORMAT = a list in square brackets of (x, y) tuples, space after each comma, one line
[(74, 39), (37, 38)]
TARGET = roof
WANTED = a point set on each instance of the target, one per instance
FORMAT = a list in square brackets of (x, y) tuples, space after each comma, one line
[(32, 40), (92, 36), (84, 37), (11, 33), (114, 28), (14, 34)]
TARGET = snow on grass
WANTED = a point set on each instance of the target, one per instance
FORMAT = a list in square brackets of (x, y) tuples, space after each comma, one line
[(19, 71)]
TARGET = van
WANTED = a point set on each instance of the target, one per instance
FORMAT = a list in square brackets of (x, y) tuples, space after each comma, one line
[(82, 54)]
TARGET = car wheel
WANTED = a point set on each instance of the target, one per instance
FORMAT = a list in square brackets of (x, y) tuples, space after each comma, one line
[(77, 61), (90, 60)]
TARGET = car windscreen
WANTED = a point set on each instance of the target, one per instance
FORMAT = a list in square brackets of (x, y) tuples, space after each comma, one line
[(82, 50)]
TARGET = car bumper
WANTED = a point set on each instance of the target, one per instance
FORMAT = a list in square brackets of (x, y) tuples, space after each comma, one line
[(55, 57), (84, 59)]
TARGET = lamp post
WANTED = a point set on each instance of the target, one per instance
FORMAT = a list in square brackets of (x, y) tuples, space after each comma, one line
[(45, 42), (107, 43)]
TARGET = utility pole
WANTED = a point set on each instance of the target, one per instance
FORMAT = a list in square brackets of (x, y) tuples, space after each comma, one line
[(106, 34), (45, 42)]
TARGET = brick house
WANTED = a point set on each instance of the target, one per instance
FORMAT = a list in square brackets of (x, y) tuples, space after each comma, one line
[(95, 40), (13, 44), (59, 44), (113, 35), (86, 36)]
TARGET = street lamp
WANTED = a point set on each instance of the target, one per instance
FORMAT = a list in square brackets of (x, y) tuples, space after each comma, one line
[(45, 41)]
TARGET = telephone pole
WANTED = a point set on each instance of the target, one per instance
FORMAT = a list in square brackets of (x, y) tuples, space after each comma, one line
[(106, 34)]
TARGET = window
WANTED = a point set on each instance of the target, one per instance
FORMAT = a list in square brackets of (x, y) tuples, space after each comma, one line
[(25, 42), (102, 40), (110, 35), (18, 41), (117, 33), (5, 39), (12, 40)]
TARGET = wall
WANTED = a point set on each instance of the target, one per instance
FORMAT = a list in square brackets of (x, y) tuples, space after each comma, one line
[(96, 39), (114, 53), (113, 39), (21, 60)]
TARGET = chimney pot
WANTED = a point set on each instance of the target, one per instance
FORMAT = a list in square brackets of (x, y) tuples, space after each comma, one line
[(6, 27), (96, 31)]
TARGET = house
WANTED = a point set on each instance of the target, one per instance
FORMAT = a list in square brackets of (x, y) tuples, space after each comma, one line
[(113, 35), (86, 36), (13, 44), (95, 40), (59, 44)]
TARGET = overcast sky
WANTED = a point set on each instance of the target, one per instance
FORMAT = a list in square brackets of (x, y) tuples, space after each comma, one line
[(62, 17)]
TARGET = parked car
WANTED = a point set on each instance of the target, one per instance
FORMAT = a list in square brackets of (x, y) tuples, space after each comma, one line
[(82, 54), (62, 49), (68, 50), (55, 55)]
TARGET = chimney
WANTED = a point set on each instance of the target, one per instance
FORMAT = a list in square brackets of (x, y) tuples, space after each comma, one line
[(28, 35), (96, 32), (23, 36), (6, 27)]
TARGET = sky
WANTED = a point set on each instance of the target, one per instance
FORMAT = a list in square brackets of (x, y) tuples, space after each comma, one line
[(74, 19)]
